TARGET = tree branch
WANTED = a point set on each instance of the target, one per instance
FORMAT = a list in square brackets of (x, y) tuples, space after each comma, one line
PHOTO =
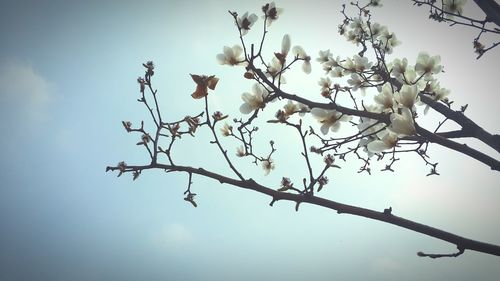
[(384, 216)]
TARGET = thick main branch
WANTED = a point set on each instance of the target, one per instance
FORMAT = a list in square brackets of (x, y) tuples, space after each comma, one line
[(388, 217)]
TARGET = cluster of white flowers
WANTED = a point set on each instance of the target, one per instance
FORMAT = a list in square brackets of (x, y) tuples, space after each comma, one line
[(358, 30)]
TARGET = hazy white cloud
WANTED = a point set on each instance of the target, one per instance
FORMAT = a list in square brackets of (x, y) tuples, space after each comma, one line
[(24, 93)]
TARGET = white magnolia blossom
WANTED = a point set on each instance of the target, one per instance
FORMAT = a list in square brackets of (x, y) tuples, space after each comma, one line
[(272, 13), (337, 72), (231, 56), (226, 130), (364, 144), (352, 37), (253, 101), (290, 108), (427, 65), (402, 124), (385, 99), (267, 165), (330, 119), (324, 56), (437, 93), (273, 68), (356, 81), (369, 127), (299, 52), (349, 66), (246, 21), (399, 67), (377, 30), (358, 26), (361, 63), (388, 141), (240, 151), (388, 41), (325, 83), (285, 45), (407, 96), (453, 7)]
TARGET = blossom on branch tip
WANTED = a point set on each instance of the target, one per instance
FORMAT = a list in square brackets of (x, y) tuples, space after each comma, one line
[(324, 56), (246, 21), (402, 124), (361, 63), (231, 56), (299, 52), (203, 83), (407, 96), (427, 65), (356, 81), (255, 100), (399, 68), (267, 165), (271, 13), (274, 70), (226, 130), (240, 151), (388, 41), (330, 119), (388, 141), (385, 98)]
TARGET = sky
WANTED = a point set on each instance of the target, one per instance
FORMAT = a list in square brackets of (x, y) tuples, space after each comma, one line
[(68, 73)]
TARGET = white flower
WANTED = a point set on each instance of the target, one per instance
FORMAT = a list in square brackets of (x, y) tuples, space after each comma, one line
[(437, 92), (291, 108), (324, 56), (245, 22), (299, 52), (399, 68), (402, 124), (388, 41), (352, 36), (274, 68), (453, 7), (240, 151), (325, 83), (226, 130), (253, 101), (407, 96), (356, 81), (337, 72), (357, 25), (428, 65), (361, 63), (377, 30), (388, 141), (267, 165), (329, 119), (368, 127), (385, 98), (231, 56), (271, 12), (349, 66), (285, 45)]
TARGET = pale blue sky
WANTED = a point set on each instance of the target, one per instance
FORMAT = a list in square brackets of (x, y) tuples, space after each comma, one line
[(68, 74)]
